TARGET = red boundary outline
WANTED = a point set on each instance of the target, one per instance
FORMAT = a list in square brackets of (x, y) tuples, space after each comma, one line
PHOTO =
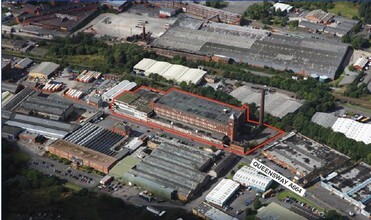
[(220, 146)]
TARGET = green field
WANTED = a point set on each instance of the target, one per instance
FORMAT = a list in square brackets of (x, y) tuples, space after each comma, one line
[(347, 9), (286, 193), (72, 186), (87, 60)]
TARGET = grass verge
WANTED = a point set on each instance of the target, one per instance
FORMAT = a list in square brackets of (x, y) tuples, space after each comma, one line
[(72, 186)]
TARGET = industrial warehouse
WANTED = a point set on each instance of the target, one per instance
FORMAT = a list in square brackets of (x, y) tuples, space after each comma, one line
[(169, 71), (43, 71), (119, 88), (276, 104), (91, 136), (353, 185), (303, 157), (351, 128), (222, 192), (209, 121), (81, 155), (255, 47), (248, 176), (202, 11), (46, 127), (209, 115), (172, 171), (46, 108), (134, 113), (136, 104)]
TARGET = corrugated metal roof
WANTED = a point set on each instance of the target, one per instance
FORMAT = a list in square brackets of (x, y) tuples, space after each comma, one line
[(222, 192), (24, 63), (45, 68), (362, 61), (249, 176), (193, 75), (48, 132), (144, 64), (175, 72), (46, 123), (122, 86), (158, 68), (353, 129)]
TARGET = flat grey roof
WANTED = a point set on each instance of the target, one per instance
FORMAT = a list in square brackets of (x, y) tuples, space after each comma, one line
[(326, 120), (198, 106), (42, 122), (50, 106), (304, 154), (322, 57), (354, 181), (24, 62)]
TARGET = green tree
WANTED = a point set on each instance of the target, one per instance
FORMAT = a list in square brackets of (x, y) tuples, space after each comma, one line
[(119, 56), (333, 215), (359, 42), (257, 203)]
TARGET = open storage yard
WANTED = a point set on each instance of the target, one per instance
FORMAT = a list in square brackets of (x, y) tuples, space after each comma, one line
[(127, 24)]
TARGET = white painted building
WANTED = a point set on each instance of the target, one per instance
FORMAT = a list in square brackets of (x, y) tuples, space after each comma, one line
[(248, 176), (353, 129), (116, 90), (360, 63), (283, 7), (222, 192), (169, 71), (134, 144)]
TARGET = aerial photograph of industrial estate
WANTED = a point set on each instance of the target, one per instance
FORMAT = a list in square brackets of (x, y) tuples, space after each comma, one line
[(177, 110)]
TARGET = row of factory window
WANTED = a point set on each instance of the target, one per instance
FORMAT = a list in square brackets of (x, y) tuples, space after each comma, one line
[(190, 120), (251, 180)]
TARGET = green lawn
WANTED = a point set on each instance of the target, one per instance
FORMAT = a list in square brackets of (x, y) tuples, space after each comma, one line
[(347, 9), (72, 186), (358, 108), (286, 193)]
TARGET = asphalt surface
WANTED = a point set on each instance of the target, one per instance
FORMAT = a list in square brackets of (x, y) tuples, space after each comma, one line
[(53, 167), (330, 201)]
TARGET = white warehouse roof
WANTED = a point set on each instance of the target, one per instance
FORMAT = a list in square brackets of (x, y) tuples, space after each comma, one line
[(361, 62), (122, 86), (170, 71), (248, 176), (144, 64), (193, 75), (159, 68), (175, 72), (134, 144), (282, 7), (353, 129), (222, 192)]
